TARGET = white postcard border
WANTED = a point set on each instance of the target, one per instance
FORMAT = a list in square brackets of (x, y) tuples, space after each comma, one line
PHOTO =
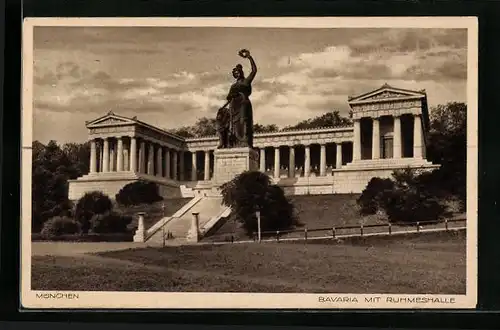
[(191, 300)]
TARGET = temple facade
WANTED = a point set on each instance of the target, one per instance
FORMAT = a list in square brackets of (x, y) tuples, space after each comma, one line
[(388, 132)]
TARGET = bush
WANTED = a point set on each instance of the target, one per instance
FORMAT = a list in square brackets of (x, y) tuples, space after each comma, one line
[(406, 197), (110, 222), (139, 192), (51, 209), (90, 204), (58, 226), (251, 191), (373, 197)]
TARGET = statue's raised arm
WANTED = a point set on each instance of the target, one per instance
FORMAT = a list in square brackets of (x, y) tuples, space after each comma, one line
[(245, 53)]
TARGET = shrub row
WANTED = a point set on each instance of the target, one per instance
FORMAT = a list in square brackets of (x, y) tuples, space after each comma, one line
[(406, 197), (93, 214), (91, 204)]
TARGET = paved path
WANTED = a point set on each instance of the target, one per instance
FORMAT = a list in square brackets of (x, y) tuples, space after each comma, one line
[(73, 248)]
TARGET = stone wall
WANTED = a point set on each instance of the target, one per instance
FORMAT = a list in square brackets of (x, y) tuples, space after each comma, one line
[(112, 185), (354, 181), (78, 188)]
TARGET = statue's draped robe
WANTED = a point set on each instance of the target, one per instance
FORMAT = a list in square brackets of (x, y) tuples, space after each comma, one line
[(236, 119)]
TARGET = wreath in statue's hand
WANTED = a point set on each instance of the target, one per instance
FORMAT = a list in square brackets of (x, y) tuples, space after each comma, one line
[(244, 53)]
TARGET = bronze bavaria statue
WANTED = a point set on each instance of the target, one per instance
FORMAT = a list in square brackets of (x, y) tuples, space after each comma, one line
[(234, 121)]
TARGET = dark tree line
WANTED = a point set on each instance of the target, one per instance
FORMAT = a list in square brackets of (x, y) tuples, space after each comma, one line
[(447, 145), (52, 167), (206, 126)]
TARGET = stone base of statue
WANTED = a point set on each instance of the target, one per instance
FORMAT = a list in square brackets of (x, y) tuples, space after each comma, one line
[(230, 162)]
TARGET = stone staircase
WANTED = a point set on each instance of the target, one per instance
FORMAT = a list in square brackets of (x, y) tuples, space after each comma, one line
[(210, 212), (389, 163)]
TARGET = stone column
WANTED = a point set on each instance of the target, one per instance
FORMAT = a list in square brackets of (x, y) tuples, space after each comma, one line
[(133, 154), (151, 154), (194, 174), (376, 139), (101, 157), (159, 161), (141, 231), (193, 234), (206, 168), (424, 148), (397, 137), (417, 137), (174, 164), (291, 162), (119, 155), (357, 141), (181, 165), (277, 162), (338, 159), (322, 160), (307, 161), (167, 164), (93, 157), (112, 157), (142, 157), (262, 159), (105, 158), (126, 157)]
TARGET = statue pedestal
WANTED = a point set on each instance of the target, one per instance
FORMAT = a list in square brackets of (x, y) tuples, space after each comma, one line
[(228, 163)]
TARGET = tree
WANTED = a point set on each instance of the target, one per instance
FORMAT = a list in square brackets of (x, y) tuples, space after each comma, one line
[(52, 167), (184, 132), (89, 205), (206, 126), (447, 145), (138, 192), (374, 196), (258, 128), (51, 171), (203, 127), (79, 156), (404, 198), (252, 191), (329, 119)]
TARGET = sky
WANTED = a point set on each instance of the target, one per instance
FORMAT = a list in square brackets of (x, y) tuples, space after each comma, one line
[(171, 76)]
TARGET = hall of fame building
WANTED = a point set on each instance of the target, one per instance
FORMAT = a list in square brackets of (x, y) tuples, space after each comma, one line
[(389, 132)]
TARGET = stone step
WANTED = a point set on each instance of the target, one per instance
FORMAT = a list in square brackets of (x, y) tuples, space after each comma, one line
[(207, 207), (387, 163)]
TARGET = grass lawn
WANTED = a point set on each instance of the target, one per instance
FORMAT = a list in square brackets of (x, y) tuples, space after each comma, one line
[(425, 263)]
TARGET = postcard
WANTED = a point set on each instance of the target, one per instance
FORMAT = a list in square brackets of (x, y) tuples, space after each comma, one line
[(249, 163)]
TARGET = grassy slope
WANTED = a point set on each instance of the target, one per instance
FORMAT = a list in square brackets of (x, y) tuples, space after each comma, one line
[(390, 265), (322, 211), (154, 211), (313, 211)]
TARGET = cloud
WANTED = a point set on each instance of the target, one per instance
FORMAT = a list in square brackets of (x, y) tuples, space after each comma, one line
[(70, 87), (295, 84)]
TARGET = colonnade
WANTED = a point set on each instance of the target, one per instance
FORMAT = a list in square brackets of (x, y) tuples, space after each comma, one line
[(133, 154), (294, 168), (418, 143)]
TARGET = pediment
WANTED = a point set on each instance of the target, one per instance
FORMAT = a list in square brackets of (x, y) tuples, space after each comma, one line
[(109, 120), (387, 92)]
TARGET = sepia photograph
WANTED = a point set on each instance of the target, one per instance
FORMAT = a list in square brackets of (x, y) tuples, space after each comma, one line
[(313, 162)]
